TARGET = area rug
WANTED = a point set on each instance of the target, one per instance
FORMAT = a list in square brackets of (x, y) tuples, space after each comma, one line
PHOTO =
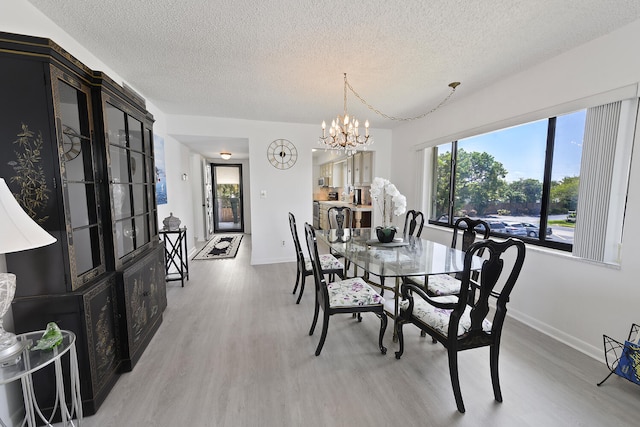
[(220, 246)]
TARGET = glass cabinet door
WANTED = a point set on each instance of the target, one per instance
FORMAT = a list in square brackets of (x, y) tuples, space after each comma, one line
[(72, 102), (131, 180)]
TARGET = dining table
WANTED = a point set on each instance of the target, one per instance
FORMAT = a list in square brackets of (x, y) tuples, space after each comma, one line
[(405, 256)]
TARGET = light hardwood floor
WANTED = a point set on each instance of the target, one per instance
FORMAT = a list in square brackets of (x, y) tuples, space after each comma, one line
[(234, 350)]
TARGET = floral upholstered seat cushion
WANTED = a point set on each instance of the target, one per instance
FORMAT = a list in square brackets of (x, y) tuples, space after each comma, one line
[(327, 262), (438, 318), (439, 284), (351, 293)]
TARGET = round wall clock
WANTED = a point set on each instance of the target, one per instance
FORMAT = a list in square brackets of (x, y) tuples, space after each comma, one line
[(71, 143), (282, 154)]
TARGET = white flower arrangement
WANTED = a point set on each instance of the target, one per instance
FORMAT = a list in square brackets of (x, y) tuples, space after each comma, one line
[(388, 198)]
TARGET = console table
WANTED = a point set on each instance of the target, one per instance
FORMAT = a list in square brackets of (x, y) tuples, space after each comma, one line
[(176, 259), (34, 360)]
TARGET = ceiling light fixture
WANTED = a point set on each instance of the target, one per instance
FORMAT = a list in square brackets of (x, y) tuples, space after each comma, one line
[(225, 155), (344, 133)]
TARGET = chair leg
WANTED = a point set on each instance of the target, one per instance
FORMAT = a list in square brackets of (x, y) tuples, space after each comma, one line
[(295, 288), (455, 380), (315, 317), (325, 326), (400, 339), (495, 380), (383, 328), (304, 276)]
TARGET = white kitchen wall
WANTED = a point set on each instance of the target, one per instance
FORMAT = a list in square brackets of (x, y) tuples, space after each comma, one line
[(573, 300)]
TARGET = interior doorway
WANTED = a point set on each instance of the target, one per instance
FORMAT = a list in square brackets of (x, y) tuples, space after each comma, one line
[(228, 200)]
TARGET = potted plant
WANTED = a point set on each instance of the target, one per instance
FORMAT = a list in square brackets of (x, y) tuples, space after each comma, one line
[(390, 202)]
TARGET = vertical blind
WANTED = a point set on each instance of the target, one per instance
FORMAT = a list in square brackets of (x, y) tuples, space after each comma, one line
[(596, 177)]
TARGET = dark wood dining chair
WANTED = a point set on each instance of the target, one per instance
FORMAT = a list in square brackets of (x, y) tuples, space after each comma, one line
[(446, 284), (413, 223), (346, 296), (340, 217), (464, 322), (330, 265)]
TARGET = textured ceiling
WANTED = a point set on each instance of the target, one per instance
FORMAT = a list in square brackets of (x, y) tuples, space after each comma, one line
[(283, 60)]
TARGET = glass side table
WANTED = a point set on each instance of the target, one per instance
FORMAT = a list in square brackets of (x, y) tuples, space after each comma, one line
[(34, 360)]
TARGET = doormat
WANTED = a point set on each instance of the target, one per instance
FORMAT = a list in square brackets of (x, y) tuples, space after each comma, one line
[(220, 246)]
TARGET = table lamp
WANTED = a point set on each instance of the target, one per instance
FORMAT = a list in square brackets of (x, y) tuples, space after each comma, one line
[(18, 232)]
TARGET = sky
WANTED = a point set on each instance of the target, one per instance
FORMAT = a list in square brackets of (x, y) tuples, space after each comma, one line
[(521, 149)]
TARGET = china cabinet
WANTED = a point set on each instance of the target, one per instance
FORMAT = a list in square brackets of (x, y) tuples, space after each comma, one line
[(77, 152)]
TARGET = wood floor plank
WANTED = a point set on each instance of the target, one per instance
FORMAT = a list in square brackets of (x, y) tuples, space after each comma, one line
[(234, 350)]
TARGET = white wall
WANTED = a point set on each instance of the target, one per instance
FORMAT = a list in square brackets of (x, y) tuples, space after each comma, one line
[(573, 300), (288, 190)]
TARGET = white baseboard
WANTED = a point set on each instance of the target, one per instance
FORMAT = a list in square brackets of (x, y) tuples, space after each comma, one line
[(571, 341)]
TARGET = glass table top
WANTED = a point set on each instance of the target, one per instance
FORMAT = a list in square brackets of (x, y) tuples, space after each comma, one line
[(411, 257), (32, 360)]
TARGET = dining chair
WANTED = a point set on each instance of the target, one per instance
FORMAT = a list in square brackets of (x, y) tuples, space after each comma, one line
[(339, 217), (352, 295), (413, 223), (460, 322), (329, 264), (446, 284)]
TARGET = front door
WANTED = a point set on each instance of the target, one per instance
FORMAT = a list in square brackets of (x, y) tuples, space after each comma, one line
[(227, 198)]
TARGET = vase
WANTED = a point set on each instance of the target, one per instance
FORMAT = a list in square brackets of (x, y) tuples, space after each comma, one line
[(385, 234)]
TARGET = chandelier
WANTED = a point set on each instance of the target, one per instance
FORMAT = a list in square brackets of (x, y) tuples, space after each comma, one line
[(344, 133)]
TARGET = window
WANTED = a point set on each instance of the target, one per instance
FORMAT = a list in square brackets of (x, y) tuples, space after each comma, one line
[(525, 180)]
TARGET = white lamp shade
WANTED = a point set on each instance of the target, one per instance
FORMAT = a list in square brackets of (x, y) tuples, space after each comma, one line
[(18, 232)]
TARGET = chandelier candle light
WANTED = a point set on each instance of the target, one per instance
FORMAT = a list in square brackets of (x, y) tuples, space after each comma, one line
[(390, 202), (344, 133)]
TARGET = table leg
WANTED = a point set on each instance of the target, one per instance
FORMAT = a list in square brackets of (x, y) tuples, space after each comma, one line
[(395, 308), (358, 218)]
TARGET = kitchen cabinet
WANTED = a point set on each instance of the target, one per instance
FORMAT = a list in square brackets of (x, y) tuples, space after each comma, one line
[(88, 179), (339, 174), (363, 168), (350, 180)]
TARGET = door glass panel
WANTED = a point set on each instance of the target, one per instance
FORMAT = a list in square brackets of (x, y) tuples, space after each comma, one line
[(121, 195), (137, 168), (228, 198), (135, 134), (142, 230), (76, 141), (119, 164), (86, 248), (140, 201), (116, 131), (124, 237), (78, 204)]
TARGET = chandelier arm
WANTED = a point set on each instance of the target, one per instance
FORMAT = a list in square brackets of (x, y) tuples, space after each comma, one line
[(453, 87)]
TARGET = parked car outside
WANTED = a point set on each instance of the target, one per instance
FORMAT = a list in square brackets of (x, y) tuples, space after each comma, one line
[(494, 226), (534, 230), (515, 228), (571, 216)]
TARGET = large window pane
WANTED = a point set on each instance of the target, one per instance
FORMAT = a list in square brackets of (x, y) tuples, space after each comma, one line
[(565, 175), (442, 183), (500, 174)]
